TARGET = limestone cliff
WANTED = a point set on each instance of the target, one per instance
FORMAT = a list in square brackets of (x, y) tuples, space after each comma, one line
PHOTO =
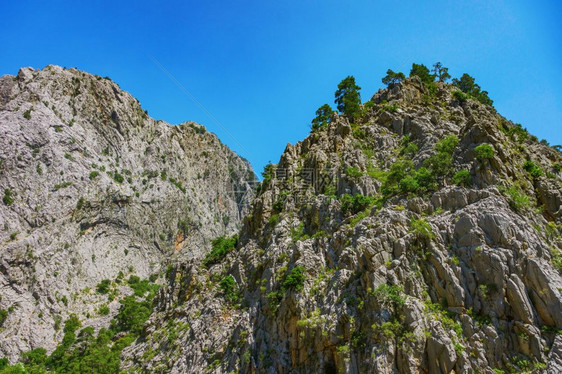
[(423, 236), (93, 188)]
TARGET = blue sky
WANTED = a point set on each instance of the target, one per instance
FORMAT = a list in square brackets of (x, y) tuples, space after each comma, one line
[(262, 68)]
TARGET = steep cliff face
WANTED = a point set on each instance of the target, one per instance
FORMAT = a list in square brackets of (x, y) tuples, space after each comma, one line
[(425, 237), (94, 189)]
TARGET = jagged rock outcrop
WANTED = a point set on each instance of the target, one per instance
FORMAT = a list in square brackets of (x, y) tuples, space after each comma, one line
[(93, 189), (369, 271)]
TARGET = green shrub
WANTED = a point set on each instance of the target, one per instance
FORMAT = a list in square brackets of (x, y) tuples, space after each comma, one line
[(351, 205), (389, 296), (295, 279), (27, 114), (268, 173), (8, 198), (425, 179), (484, 152), (410, 150), (532, 168), (141, 287), (132, 314), (462, 178), (409, 184), (517, 198), (221, 247), (274, 220), (353, 172), (183, 226), (103, 286), (3, 316), (516, 132), (388, 330), (273, 299), (94, 174), (441, 163), (398, 171), (80, 203), (118, 177), (421, 229), (62, 185), (460, 96), (229, 288), (392, 108), (448, 144), (297, 233), (103, 310), (37, 356)]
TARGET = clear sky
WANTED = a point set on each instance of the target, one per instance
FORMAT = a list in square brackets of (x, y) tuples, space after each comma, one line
[(262, 68)]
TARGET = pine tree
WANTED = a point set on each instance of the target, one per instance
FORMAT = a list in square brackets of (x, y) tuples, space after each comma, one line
[(393, 77), (348, 98), (421, 71), (323, 117), (441, 72)]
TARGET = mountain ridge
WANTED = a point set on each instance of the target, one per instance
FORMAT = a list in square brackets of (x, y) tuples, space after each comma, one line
[(419, 233)]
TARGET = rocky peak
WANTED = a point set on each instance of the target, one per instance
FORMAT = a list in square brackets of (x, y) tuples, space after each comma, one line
[(423, 236)]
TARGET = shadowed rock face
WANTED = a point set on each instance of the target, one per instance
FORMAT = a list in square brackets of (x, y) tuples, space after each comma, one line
[(96, 187), (459, 278)]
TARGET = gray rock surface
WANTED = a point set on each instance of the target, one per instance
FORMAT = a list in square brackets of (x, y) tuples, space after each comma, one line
[(480, 291), (98, 188), (346, 272)]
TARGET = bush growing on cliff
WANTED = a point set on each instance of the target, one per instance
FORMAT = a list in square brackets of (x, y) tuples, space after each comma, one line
[(533, 169), (462, 178), (421, 229), (517, 198), (8, 198), (229, 288), (484, 152), (221, 247), (441, 163), (103, 286), (295, 279), (3, 315), (460, 96), (353, 204)]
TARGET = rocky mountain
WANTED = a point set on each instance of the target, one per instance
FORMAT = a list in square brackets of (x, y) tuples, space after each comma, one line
[(423, 237), (419, 232), (94, 189)]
